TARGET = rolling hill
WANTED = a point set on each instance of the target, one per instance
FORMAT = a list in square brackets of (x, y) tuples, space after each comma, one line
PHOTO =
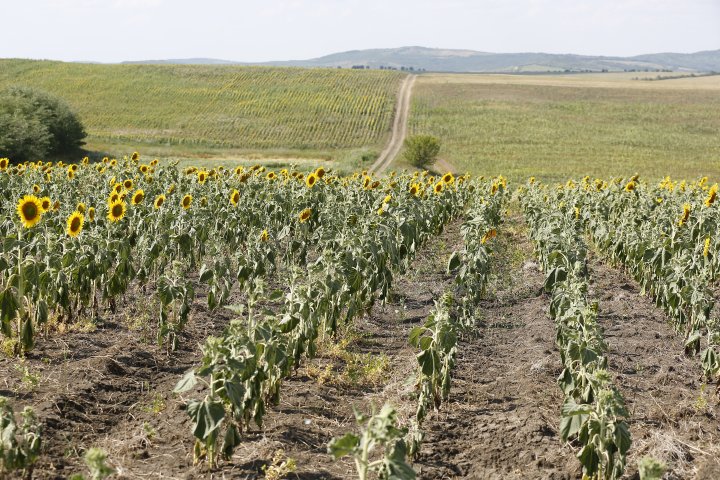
[(448, 60)]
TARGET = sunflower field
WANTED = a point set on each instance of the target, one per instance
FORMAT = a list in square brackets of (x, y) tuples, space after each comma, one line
[(307, 252), (664, 235)]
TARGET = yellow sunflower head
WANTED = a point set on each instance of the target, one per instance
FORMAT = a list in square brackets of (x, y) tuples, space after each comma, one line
[(81, 207), (311, 180), (202, 177), (320, 172), (75, 224), (113, 162), (239, 170), (135, 156), (264, 236), (235, 197), (414, 189), (4, 162), (73, 167), (171, 189), (144, 168), (186, 201), (159, 200), (85, 160), (305, 215), (36, 188), (154, 162), (29, 209), (127, 184), (70, 174), (116, 211), (45, 204), (118, 188), (438, 188), (138, 196), (91, 214), (448, 178)]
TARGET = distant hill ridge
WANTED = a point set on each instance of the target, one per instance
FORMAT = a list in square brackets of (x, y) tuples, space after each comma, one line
[(449, 60)]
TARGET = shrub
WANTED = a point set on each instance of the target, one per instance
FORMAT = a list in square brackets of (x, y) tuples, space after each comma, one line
[(34, 124), (421, 150)]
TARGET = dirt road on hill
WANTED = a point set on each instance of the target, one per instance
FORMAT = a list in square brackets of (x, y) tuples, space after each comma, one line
[(399, 129)]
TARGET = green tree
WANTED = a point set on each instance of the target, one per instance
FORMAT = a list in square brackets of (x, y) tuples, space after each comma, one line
[(422, 150), (34, 124)]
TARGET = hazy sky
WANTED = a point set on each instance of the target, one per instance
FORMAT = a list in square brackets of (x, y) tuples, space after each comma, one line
[(259, 30)]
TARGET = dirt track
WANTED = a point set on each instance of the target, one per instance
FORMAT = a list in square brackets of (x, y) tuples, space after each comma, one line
[(399, 127)]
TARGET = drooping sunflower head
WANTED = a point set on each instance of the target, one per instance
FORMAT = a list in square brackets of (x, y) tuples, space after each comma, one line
[(36, 188), (687, 208), (4, 162), (128, 184), (118, 188), (186, 201), (91, 214), (311, 180), (387, 198), (81, 207), (492, 233), (29, 209), (45, 204), (448, 178), (138, 196), (239, 170), (85, 160), (712, 195), (320, 172), (70, 174), (305, 215), (116, 211), (438, 188), (171, 189), (75, 224), (235, 197), (56, 206), (159, 200), (114, 197)]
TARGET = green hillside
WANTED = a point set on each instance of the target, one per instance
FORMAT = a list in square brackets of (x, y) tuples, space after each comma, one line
[(202, 107), (553, 127)]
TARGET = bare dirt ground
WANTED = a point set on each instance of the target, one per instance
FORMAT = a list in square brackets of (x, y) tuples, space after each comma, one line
[(502, 419), (673, 417), (399, 129)]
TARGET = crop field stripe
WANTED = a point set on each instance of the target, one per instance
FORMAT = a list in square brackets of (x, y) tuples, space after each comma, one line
[(220, 106)]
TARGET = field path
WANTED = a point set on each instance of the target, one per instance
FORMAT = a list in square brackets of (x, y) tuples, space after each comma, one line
[(502, 418), (399, 129), (672, 418)]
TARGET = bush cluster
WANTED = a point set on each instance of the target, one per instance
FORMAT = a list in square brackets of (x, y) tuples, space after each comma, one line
[(34, 124)]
